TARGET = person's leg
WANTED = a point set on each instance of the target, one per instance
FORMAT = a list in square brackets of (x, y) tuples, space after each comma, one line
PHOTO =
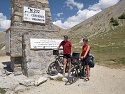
[(88, 71), (69, 62), (64, 65)]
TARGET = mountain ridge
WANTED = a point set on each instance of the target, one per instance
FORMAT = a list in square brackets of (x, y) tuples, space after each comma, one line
[(97, 23), (106, 40)]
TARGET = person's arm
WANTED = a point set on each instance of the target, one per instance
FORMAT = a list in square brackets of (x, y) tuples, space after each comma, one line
[(86, 52), (71, 50), (59, 46), (82, 54)]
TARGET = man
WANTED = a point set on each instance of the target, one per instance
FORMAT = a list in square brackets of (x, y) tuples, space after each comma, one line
[(67, 52)]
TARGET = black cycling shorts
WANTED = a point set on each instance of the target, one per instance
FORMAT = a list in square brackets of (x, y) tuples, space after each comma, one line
[(86, 61), (66, 56)]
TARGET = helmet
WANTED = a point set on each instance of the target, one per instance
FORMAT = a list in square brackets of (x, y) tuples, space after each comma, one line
[(66, 36), (85, 39)]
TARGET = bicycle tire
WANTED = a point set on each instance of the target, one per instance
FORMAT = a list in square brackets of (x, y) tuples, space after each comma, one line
[(52, 69), (72, 75)]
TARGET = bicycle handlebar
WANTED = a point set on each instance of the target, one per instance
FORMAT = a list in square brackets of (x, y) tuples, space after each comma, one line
[(60, 55)]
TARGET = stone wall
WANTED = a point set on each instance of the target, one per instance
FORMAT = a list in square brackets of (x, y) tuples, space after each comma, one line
[(21, 31), (18, 25), (36, 61)]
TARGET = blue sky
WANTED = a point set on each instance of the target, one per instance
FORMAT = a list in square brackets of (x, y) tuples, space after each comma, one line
[(65, 13), (61, 7)]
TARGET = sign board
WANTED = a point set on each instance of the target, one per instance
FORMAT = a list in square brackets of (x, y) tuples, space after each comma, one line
[(44, 43), (33, 15)]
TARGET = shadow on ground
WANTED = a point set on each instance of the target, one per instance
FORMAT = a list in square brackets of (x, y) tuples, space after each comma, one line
[(7, 66)]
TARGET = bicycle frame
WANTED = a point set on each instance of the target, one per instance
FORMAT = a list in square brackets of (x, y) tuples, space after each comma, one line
[(59, 60)]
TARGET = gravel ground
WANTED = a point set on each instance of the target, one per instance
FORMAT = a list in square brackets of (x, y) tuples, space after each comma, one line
[(103, 80)]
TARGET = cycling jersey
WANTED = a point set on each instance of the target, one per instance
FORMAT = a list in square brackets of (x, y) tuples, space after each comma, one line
[(84, 49), (67, 45)]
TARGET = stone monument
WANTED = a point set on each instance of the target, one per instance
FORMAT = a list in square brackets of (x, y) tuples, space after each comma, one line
[(30, 19)]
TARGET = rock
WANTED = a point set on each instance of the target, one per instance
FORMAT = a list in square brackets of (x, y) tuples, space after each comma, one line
[(8, 83), (2, 72), (64, 79), (8, 72), (59, 75), (17, 18), (53, 77), (40, 81), (47, 9), (30, 72), (17, 71), (20, 88), (43, 1), (56, 76), (10, 92), (34, 65), (46, 75), (19, 78), (28, 82)]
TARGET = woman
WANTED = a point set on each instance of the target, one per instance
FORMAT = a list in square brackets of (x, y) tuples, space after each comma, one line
[(84, 57)]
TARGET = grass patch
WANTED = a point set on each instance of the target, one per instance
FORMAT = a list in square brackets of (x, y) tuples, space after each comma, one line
[(107, 46), (59, 78), (2, 91), (122, 16), (121, 60)]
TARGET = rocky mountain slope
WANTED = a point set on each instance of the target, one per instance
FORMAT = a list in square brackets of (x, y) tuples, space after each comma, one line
[(2, 43), (107, 41), (2, 39), (61, 31), (98, 23)]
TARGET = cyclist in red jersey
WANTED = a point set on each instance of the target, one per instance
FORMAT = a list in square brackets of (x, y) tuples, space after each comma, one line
[(67, 52), (84, 56)]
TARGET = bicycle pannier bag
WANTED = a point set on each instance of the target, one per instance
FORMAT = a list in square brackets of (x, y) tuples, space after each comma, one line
[(91, 61), (55, 52)]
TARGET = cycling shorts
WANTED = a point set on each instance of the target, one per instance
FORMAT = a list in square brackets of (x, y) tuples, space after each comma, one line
[(66, 56)]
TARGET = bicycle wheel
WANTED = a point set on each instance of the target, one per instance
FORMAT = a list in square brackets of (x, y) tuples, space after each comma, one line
[(72, 75), (82, 73), (53, 68)]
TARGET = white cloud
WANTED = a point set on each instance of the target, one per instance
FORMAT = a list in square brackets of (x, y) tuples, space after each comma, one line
[(72, 3), (84, 14), (59, 14), (4, 23), (102, 4), (76, 19)]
